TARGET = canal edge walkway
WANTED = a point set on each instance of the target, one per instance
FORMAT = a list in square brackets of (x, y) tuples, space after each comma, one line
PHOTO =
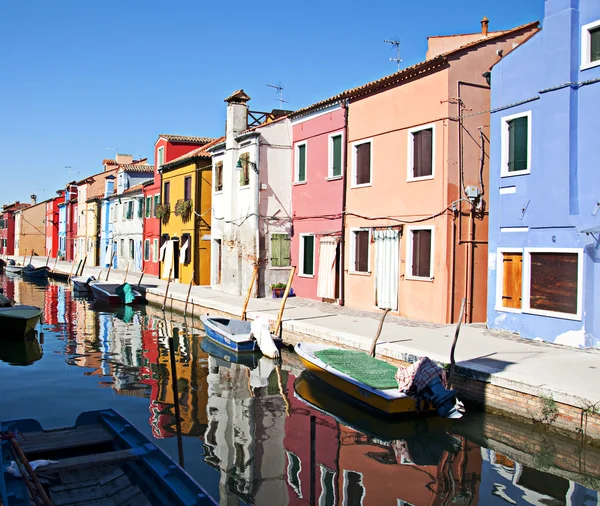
[(551, 384)]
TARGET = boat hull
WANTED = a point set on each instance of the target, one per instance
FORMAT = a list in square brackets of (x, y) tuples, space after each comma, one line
[(14, 269), (37, 272), (16, 321), (105, 292), (380, 400), (238, 343), (80, 284)]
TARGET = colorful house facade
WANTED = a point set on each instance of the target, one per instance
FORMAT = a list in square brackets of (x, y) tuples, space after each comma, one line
[(7, 227), (319, 134), (186, 226), (51, 224), (251, 200), (544, 262), (167, 148), (71, 222), (62, 229), (31, 236), (414, 214)]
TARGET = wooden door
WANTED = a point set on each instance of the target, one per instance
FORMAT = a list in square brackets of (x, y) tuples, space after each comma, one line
[(512, 282)]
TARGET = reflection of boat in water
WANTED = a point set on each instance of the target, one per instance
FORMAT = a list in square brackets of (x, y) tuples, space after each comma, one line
[(103, 457), (426, 437), (24, 351), (16, 321), (224, 356)]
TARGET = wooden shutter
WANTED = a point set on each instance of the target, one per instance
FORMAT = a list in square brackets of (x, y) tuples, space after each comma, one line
[(280, 250), (595, 44), (363, 163), (554, 282), (187, 188), (421, 253), (186, 238), (517, 144), (337, 156), (245, 173), (301, 176), (285, 251), (166, 194), (308, 267), (422, 153), (512, 268), (361, 252), (219, 176)]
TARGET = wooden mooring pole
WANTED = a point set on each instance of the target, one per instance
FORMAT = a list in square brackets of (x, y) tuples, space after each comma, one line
[(277, 329), (175, 387), (188, 294), (378, 333), (455, 340), (112, 257), (142, 276), (254, 276), (167, 290)]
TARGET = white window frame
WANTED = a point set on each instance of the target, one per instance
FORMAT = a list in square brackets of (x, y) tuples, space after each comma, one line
[(297, 162), (353, 251), (289, 456), (409, 253), (525, 305), (155, 250), (330, 176), (160, 149), (222, 162), (500, 280), (354, 146), (324, 470), (586, 43), (505, 148), (301, 256), (411, 153), (149, 250), (345, 486)]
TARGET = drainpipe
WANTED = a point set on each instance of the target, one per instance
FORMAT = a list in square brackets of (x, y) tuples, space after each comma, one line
[(256, 207), (453, 265), (345, 105)]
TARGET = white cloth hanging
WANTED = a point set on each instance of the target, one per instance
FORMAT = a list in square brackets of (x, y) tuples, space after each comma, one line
[(182, 251)]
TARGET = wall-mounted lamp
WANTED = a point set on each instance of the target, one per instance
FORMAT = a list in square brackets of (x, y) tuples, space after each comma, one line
[(238, 165)]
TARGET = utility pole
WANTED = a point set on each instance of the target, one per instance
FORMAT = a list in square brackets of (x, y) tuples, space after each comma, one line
[(396, 44)]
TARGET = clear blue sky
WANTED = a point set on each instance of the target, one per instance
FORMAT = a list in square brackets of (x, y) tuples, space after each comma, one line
[(80, 76)]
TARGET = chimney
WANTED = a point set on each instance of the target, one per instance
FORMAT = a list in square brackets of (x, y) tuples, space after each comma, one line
[(237, 113), (122, 159), (484, 26), (109, 186), (33, 200)]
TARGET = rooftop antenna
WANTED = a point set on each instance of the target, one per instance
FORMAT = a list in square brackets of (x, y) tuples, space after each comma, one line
[(280, 90), (395, 43)]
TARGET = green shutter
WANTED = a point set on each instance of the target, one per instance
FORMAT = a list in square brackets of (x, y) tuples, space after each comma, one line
[(148, 206), (156, 204), (337, 156), (286, 258), (309, 250), (517, 144), (302, 163), (276, 250)]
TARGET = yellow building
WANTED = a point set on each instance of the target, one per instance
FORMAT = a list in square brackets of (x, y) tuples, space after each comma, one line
[(186, 218)]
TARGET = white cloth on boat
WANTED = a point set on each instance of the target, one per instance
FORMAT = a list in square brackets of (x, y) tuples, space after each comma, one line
[(15, 471)]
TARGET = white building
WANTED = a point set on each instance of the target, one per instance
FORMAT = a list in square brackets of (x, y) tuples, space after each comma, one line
[(251, 198)]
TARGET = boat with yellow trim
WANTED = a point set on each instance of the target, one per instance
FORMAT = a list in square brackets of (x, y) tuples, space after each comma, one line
[(388, 400)]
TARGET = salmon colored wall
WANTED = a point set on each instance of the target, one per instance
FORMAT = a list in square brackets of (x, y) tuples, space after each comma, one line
[(317, 197)]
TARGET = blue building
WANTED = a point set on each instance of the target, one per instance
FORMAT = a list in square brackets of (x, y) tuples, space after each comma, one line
[(544, 194), (107, 245), (62, 230)]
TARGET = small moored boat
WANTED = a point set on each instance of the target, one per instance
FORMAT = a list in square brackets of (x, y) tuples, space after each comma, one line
[(36, 272), (16, 321), (102, 459), (372, 382), (114, 293), (233, 334), (82, 283), (14, 268)]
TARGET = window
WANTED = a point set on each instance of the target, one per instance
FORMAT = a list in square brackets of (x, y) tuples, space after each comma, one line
[(327, 497), (128, 207), (115, 209), (300, 163), (553, 282), (335, 155), (122, 248), (131, 249), (148, 207), (156, 204), (419, 256), (590, 45), (186, 239), (167, 193), (354, 490), (293, 472), (140, 208), (421, 152), (219, 177), (160, 156), (280, 250), (155, 250), (187, 188), (510, 279), (146, 250), (362, 160), (307, 255), (360, 251), (516, 144), (245, 172)]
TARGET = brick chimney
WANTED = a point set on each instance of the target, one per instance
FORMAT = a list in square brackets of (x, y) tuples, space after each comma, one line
[(122, 159), (484, 26), (33, 200)]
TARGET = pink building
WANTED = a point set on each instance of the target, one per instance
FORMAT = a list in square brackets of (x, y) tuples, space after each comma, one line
[(52, 224), (317, 200)]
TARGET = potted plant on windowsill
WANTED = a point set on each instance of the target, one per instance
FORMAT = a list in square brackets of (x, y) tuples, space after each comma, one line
[(163, 212)]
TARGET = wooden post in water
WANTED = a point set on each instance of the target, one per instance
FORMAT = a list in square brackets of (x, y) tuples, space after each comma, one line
[(71, 273), (188, 294), (167, 290), (112, 257), (175, 387), (80, 273), (141, 276), (31, 257), (277, 329), (126, 272), (254, 276), (454, 341), (372, 350), (55, 262), (25, 256), (48, 258), (281, 390), (313, 460)]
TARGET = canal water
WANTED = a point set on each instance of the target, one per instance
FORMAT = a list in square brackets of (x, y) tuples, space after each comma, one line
[(253, 433)]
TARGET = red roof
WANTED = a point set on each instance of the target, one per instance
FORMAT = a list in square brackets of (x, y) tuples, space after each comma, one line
[(201, 152), (186, 139), (137, 168)]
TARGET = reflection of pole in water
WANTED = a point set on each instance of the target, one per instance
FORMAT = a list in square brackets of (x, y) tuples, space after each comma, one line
[(176, 394), (313, 470)]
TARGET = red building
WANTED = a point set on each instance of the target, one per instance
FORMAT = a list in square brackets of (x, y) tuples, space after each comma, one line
[(52, 224), (71, 203), (7, 227), (166, 148)]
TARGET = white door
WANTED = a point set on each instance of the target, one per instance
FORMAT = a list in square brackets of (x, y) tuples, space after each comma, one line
[(387, 253)]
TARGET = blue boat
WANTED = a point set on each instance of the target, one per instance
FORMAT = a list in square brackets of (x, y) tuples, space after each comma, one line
[(233, 334), (102, 459)]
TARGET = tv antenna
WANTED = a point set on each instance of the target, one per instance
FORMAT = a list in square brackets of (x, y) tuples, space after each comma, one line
[(396, 44), (280, 90)]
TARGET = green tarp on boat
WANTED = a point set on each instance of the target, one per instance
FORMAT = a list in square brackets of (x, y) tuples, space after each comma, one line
[(360, 366), (125, 293)]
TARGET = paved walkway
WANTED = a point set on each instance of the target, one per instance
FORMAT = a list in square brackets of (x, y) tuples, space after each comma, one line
[(569, 375)]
